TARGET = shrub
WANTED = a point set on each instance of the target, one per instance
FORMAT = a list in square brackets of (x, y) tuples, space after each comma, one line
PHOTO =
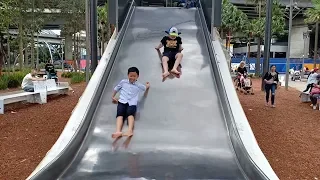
[(12, 80), (3, 84), (68, 74), (78, 77)]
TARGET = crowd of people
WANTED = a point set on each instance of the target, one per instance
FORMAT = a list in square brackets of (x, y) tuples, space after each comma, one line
[(271, 84), (313, 86)]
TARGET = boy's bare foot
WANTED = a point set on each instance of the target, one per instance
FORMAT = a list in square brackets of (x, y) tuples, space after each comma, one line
[(116, 134), (175, 71), (129, 134), (165, 74)]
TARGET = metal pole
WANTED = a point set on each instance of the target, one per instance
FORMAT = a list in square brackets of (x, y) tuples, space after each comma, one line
[(62, 62), (267, 41), (117, 17), (304, 51), (37, 61), (212, 21), (316, 45), (93, 35), (166, 3), (87, 40), (289, 42)]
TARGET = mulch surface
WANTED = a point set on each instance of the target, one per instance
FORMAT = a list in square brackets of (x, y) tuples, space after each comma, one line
[(28, 131), (289, 135)]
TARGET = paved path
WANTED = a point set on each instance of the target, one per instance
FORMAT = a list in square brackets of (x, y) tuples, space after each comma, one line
[(299, 85)]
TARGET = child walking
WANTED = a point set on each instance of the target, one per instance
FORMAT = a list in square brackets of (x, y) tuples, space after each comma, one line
[(127, 104)]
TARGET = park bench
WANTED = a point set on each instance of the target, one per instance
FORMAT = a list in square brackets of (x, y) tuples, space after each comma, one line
[(304, 97), (42, 90)]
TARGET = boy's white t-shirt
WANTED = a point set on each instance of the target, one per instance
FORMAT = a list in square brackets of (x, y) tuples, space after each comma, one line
[(27, 81)]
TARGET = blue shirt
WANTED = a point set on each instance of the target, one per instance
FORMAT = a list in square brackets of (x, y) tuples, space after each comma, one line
[(129, 92)]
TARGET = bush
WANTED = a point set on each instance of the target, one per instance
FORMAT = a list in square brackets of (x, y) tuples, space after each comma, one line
[(78, 77), (68, 74), (12, 80), (16, 69)]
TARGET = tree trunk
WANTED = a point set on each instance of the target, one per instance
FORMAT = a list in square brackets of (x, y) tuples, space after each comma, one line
[(8, 49), (257, 73), (20, 43), (75, 52), (1, 52), (249, 45), (103, 40), (32, 50), (315, 56), (26, 55), (32, 37)]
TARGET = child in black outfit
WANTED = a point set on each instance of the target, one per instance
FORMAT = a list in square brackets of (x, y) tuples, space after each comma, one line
[(172, 55)]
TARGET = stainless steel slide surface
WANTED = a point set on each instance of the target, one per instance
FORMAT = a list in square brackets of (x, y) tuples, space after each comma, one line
[(180, 130)]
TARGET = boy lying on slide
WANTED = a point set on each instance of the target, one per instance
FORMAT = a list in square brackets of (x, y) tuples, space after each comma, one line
[(127, 104), (172, 55)]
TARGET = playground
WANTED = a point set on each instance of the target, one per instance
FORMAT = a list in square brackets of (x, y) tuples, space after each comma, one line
[(288, 134)]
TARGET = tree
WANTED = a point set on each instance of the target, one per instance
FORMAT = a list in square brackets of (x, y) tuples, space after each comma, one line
[(256, 27), (233, 19), (104, 28), (313, 16), (73, 12), (6, 19)]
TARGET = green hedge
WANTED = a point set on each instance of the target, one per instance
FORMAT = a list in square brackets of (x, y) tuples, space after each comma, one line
[(12, 80), (76, 77)]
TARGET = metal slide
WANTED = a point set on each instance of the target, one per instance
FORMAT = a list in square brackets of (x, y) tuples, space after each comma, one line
[(180, 130)]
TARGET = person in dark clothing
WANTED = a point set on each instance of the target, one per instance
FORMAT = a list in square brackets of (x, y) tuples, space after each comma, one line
[(49, 67), (172, 55), (271, 80)]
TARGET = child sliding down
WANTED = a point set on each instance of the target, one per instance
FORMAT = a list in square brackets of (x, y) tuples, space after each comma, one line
[(172, 55), (127, 104)]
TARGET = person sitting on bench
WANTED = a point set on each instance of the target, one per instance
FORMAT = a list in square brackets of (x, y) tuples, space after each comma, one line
[(312, 79), (27, 84)]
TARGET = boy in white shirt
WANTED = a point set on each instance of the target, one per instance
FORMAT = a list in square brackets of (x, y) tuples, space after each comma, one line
[(127, 104), (27, 84)]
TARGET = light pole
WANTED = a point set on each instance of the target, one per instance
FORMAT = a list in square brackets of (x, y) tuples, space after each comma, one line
[(305, 37), (87, 40), (62, 52), (93, 35), (267, 41), (290, 6)]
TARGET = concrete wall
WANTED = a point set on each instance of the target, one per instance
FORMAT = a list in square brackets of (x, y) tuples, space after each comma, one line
[(297, 41)]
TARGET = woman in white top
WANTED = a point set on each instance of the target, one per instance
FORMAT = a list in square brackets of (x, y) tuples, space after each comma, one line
[(312, 79)]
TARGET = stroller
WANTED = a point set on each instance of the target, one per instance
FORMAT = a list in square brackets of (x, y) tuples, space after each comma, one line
[(51, 72), (296, 76), (247, 86)]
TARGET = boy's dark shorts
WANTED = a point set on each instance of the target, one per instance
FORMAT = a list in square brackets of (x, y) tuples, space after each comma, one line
[(125, 110), (172, 59)]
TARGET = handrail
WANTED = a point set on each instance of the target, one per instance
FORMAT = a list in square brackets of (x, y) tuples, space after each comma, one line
[(248, 165), (82, 113)]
